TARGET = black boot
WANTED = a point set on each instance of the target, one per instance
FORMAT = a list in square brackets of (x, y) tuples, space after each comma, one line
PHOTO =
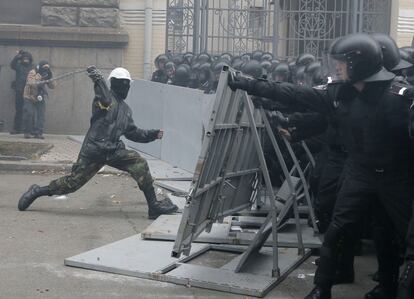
[(406, 283), (30, 195), (155, 207), (381, 292), (319, 293)]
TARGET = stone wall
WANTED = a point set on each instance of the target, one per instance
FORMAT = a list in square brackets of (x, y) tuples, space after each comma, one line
[(67, 49), (83, 13)]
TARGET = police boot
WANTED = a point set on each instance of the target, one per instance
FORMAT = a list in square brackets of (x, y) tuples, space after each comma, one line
[(381, 292), (319, 293), (158, 207), (406, 283), (30, 195)]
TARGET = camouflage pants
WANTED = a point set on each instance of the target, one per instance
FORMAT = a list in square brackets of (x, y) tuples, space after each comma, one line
[(84, 169)]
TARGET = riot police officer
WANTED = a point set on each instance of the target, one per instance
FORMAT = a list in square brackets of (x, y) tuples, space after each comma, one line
[(372, 121)]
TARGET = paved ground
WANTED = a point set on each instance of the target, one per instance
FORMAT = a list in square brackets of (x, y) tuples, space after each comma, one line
[(34, 244)]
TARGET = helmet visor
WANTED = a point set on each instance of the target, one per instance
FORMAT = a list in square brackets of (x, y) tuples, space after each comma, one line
[(337, 68)]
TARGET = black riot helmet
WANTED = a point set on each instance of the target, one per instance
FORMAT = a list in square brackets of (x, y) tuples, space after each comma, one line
[(357, 57), (266, 67), (160, 61), (178, 59), (246, 57), (188, 57), (236, 62), (227, 57), (267, 56), (281, 73), (407, 53), (304, 59), (257, 55), (217, 67), (390, 54), (252, 68), (313, 74), (204, 73), (203, 58), (182, 75)]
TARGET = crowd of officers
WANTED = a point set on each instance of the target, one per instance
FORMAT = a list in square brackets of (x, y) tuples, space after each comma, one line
[(355, 111), (202, 71), (30, 86)]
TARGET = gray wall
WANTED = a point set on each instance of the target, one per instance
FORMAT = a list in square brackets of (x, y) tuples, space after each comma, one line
[(69, 107)]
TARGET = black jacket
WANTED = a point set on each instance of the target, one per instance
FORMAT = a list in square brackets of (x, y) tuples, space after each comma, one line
[(373, 124), (111, 119), (22, 71)]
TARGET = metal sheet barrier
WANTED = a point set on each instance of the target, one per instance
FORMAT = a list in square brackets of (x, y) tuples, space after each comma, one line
[(181, 112)]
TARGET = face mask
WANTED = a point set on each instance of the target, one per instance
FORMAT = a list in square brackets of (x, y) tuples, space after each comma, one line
[(120, 87)]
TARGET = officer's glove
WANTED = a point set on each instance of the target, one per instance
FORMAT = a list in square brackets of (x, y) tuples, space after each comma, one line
[(94, 73), (236, 81), (280, 119)]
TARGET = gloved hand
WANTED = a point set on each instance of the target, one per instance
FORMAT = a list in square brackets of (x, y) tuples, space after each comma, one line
[(239, 82), (280, 119), (94, 73)]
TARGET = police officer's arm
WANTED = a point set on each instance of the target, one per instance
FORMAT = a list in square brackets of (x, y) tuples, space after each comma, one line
[(285, 93)]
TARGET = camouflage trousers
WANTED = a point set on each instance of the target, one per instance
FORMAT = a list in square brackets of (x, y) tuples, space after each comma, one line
[(84, 169)]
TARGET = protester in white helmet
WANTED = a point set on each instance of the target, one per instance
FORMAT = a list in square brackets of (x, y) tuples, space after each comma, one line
[(111, 119)]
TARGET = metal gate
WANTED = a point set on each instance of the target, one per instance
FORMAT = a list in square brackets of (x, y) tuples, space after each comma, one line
[(284, 27)]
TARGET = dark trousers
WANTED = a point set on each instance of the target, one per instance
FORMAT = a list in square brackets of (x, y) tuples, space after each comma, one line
[(34, 117), (85, 168), (328, 188), (364, 187), (18, 117)]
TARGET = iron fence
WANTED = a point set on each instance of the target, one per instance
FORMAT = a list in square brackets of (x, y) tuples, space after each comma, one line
[(284, 27)]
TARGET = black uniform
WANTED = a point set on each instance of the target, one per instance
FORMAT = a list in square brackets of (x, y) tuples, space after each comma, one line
[(373, 125)]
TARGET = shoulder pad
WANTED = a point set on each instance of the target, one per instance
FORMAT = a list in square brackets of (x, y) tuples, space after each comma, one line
[(399, 87), (321, 87)]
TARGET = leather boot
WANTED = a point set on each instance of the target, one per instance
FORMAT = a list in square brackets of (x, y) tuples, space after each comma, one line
[(30, 195), (158, 207), (319, 293), (406, 283)]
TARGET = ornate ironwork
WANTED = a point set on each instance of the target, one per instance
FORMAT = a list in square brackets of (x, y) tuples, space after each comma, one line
[(289, 27)]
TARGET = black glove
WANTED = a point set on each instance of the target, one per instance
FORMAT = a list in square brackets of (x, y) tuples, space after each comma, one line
[(94, 73), (280, 119), (240, 82)]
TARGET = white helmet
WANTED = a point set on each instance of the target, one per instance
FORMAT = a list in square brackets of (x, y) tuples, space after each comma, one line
[(120, 73)]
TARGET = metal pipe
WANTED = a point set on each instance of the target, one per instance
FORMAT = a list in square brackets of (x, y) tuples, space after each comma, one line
[(148, 39)]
